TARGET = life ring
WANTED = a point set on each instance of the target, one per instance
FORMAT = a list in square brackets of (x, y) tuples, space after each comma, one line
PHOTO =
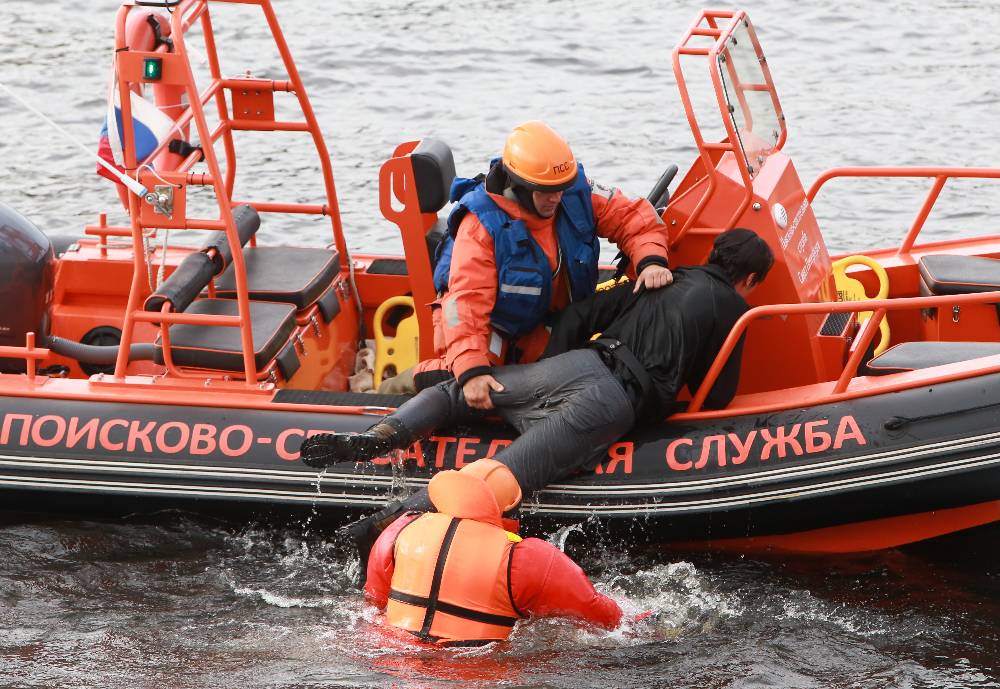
[(148, 31)]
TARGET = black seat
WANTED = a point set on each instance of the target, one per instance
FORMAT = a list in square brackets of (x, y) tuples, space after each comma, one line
[(434, 237), (220, 347), (433, 172), (339, 399), (909, 356), (945, 274), (397, 266), (288, 274)]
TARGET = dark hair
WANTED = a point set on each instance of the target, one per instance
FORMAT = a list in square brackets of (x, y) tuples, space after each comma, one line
[(741, 252)]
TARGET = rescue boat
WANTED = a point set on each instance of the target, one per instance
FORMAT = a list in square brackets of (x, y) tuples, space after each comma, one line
[(136, 372)]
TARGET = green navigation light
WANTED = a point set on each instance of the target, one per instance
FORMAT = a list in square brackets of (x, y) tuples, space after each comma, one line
[(152, 68)]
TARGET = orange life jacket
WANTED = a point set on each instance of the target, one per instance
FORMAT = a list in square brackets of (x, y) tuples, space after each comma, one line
[(451, 580)]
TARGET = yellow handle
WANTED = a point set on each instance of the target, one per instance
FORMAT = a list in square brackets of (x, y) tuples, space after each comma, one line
[(851, 289), (611, 282), (854, 286), (401, 351)]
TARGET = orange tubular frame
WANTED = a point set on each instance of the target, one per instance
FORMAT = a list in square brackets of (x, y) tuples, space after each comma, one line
[(183, 18), (707, 26), (940, 175), (838, 389), (29, 353)]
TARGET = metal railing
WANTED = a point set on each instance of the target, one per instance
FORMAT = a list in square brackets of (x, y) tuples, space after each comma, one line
[(182, 18), (866, 333)]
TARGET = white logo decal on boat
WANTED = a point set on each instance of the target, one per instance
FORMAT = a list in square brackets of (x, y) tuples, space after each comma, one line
[(787, 237), (813, 255)]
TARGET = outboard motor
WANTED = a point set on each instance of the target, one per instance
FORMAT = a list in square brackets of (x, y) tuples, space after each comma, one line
[(26, 275)]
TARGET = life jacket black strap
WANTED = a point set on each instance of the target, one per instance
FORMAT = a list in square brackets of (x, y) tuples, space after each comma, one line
[(432, 598), (455, 610), (183, 148), (510, 587), (622, 263)]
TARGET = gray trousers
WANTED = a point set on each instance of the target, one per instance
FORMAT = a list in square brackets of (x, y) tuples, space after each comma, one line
[(568, 409)]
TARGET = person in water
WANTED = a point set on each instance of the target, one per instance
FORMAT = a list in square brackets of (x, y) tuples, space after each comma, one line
[(569, 408), (522, 243), (457, 576)]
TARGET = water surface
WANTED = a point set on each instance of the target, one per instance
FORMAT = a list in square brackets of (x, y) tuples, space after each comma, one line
[(170, 600)]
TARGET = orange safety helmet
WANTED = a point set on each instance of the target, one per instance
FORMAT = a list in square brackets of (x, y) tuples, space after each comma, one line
[(500, 480), (536, 157), (484, 490)]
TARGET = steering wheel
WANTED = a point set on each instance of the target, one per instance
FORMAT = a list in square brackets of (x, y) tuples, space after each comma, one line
[(851, 289), (660, 194)]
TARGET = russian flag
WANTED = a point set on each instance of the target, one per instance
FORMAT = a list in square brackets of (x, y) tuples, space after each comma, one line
[(150, 127)]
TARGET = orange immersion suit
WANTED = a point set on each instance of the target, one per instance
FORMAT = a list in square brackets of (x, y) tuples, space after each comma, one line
[(456, 576)]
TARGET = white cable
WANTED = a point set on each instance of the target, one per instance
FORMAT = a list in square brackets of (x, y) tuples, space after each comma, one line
[(166, 236), (156, 174), (146, 253), (163, 258), (134, 186)]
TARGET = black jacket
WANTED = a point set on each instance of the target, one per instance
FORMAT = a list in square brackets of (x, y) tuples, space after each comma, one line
[(675, 333)]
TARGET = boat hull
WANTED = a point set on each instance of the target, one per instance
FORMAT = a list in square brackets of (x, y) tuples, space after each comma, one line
[(752, 476)]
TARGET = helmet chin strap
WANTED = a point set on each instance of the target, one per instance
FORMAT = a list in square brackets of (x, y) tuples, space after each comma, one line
[(524, 197), (499, 182)]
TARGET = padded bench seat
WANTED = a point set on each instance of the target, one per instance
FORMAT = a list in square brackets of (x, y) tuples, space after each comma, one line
[(946, 274), (909, 356), (294, 275), (220, 347)]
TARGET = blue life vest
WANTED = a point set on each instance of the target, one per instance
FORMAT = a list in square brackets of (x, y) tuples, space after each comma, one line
[(524, 278)]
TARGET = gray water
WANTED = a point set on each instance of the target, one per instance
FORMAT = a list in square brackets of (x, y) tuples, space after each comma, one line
[(169, 600)]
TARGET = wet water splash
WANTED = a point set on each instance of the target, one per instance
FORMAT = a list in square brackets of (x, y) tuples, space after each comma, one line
[(181, 602)]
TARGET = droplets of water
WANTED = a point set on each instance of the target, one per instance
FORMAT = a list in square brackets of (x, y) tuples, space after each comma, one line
[(559, 537), (399, 488), (290, 569), (319, 480)]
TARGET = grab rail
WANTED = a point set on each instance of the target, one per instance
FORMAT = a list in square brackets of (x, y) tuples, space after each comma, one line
[(721, 35), (719, 25), (879, 307), (31, 354), (940, 175)]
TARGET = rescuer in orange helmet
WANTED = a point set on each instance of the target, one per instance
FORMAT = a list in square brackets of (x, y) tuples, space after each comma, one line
[(523, 242), (456, 576)]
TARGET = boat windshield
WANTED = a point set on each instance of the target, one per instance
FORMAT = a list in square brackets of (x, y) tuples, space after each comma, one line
[(749, 92)]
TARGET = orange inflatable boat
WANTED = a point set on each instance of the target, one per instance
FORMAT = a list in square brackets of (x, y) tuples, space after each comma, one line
[(136, 373)]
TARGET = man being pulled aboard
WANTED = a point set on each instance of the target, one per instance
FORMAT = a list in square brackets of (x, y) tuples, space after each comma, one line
[(571, 407), (522, 243), (455, 576)]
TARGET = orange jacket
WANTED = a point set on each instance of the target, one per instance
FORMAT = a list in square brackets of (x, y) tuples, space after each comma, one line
[(462, 324), (485, 581)]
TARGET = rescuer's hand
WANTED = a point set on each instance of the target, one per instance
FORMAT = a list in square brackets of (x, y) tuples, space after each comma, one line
[(477, 391), (653, 277)]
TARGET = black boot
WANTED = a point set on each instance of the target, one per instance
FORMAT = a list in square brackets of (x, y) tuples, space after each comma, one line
[(326, 449)]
